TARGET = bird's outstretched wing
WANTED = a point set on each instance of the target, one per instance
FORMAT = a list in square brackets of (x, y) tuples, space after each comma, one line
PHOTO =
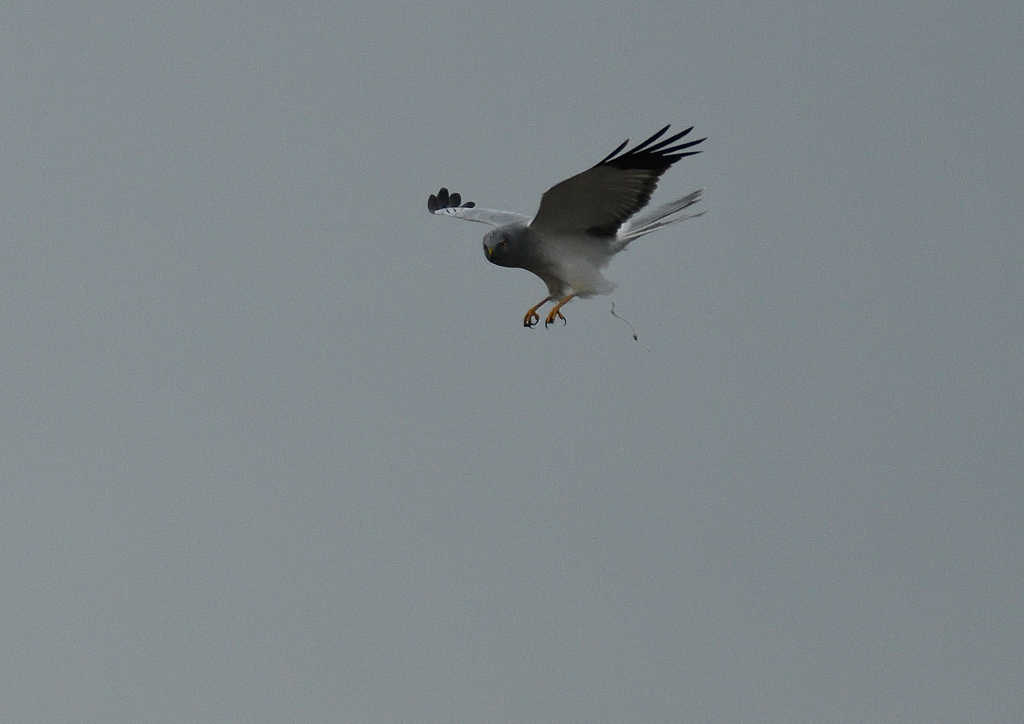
[(446, 204), (601, 198)]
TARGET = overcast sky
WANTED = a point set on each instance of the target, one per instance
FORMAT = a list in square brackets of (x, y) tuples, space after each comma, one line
[(276, 447)]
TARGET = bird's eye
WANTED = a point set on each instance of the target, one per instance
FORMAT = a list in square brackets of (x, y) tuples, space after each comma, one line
[(501, 245)]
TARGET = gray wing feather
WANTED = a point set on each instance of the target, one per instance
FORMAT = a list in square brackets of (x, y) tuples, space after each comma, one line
[(448, 204), (601, 198), (657, 218)]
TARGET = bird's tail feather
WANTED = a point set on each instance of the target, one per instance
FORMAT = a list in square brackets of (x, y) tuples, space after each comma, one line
[(657, 218)]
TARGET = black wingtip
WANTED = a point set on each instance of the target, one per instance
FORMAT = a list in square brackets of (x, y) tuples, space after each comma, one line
[(612, 155), (653, 153), (668, 141), (445, 200), (652, 139)]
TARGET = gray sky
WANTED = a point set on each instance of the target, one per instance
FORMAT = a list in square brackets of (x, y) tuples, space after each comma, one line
[(276, 447)]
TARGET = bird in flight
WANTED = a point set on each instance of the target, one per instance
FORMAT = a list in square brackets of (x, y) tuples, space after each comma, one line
[(583, 221)]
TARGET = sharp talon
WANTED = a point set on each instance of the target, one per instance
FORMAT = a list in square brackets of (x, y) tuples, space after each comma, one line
[(552, 317), (531, 318), (556, 311)]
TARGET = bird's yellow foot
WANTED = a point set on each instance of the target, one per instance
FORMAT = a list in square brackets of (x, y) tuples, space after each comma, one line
[(531, 318), (556, 312)]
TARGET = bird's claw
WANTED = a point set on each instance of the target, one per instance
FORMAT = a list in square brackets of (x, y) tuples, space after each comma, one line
[(531, 319), (551, 318)]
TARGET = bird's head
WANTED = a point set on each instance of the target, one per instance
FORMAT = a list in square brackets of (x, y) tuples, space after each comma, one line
[(508, 245)]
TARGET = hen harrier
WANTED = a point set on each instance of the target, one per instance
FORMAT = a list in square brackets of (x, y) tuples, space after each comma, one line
[(582, 222)]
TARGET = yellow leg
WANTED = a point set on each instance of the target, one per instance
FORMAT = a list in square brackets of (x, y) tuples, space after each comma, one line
[(532, 317), (556, 313)]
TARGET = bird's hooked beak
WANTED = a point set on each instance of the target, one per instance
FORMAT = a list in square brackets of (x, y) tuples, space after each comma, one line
[(489, 250)]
